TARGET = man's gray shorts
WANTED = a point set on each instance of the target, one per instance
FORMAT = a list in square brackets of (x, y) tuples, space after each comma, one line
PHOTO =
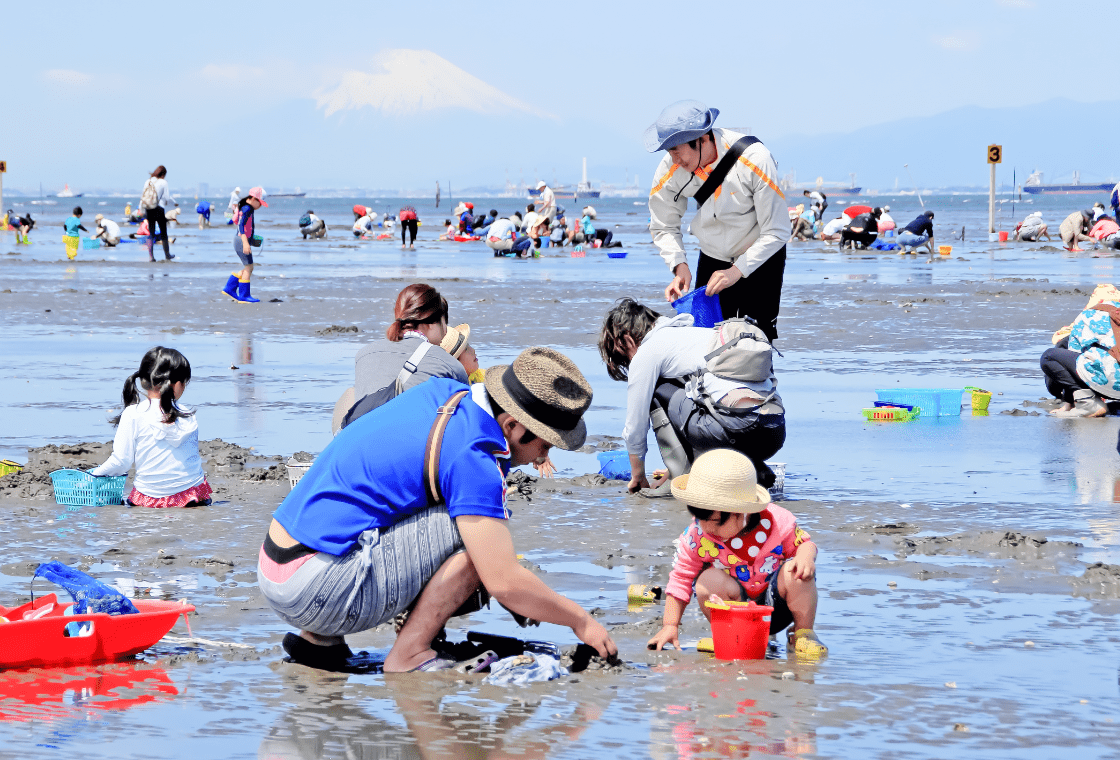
[(368, 586)]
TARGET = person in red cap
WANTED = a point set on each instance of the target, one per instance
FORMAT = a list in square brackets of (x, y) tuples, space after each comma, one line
[(237, 287)]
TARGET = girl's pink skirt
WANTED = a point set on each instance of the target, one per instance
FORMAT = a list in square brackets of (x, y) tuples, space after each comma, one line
[(198, 494)]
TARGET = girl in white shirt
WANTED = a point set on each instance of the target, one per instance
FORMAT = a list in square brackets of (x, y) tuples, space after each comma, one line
[(159, 436)]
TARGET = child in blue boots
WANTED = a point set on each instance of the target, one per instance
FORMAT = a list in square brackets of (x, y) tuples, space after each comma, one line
[(237, 287)]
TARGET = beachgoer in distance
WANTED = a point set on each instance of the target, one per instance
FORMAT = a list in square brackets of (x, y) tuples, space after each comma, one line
[(365, 223), (546, 201), (158, 436), (1106, 231), (818, 202), (238, 287), (410, 223), (203, 211), (886, 221), (312, 226), (70, 229), (155, 200), (742, 227), (1114, 201), (832, 231), (360, 211), (803, 220), (1075, 229), (482, 224), (1032, 229), (450, 230), (918, 233), (107, 231), (657, 357), (466, 220), (371, 530), (1080, 368), (234, 204), (862, 231), (534, 230), (741, 547), (21, 224), (501, 236)]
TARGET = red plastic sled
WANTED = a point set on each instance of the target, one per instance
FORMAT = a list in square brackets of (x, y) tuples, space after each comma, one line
[(466, 238), (37, 642)]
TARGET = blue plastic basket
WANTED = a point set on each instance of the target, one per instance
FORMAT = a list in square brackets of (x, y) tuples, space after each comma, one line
[(614, 465), (934, 402), (84, 490), (705, 310), (616, 254), (88, 243)]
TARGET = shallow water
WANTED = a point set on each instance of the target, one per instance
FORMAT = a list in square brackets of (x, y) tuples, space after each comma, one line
[(961, 616)]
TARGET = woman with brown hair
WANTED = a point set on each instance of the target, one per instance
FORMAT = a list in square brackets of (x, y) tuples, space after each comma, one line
[(155, 200), (409, 354)]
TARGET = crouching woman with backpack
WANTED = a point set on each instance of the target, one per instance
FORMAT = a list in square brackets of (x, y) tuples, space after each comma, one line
[(700, 389)]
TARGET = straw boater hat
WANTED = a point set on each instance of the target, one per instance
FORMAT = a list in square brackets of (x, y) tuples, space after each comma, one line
[(456, 339), (544, 391), (722, 480)]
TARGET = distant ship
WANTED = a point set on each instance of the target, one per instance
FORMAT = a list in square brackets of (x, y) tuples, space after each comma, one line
[(1034, 186), (296, 194), (68, 193), (583, 189), (830, 189)]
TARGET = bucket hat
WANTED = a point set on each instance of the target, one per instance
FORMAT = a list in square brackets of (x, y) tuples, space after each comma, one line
[(258, 193), (456, 339), (682, 121), (541, 184), (722, 480), (544, 391), (590, 211)]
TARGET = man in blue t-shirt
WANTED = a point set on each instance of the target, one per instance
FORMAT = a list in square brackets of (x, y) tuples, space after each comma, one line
[(392, 516)]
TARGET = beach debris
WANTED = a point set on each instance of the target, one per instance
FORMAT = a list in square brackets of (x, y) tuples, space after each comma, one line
[(950, 684), (338, 330), (788, 675), (641, 593), (525, 668), (960, 727), (1028, 643), (892, 584)]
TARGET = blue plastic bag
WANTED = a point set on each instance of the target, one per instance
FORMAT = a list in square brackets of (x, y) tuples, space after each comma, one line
[(90, 595)]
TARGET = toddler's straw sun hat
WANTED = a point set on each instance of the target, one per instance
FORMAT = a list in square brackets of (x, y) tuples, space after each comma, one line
[(722, 480), (456, 339)]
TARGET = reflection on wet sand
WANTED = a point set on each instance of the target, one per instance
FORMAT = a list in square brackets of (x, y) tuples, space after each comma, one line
[(71, 693), (486, 722)]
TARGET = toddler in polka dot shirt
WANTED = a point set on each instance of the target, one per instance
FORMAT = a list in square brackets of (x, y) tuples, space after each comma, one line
[(741, 547)]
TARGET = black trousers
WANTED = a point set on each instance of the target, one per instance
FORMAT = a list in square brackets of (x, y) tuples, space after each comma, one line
[(157, 216), (758, 296), (1059, 369), (409, 225)]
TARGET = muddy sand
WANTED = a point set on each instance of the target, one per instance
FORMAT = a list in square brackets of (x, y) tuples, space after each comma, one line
[(969, 568)]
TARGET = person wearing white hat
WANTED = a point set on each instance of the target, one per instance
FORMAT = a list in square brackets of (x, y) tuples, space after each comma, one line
[(107, 230), (1032, 229), (231, 209), (742, 225), (546, 201), (740, 547)]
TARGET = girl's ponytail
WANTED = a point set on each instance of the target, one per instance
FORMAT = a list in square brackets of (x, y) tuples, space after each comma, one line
[(129, 395)]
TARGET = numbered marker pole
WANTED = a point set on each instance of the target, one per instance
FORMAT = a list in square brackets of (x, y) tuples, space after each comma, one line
[(995, 156)]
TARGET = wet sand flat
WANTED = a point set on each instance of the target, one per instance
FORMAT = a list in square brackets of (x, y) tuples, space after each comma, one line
[(969, 566)]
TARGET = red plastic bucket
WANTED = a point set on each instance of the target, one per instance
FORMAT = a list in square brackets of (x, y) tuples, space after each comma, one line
[(1003, 236), (740, 630)]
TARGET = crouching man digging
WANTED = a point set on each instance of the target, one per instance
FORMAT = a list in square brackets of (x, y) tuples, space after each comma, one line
[(405, 510)]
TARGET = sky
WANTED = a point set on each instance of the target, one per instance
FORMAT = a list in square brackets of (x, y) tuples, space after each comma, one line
[(402, 95)]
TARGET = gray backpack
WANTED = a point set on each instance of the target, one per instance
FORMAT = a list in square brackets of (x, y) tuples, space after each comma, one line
[(149, 198), (740, 351)]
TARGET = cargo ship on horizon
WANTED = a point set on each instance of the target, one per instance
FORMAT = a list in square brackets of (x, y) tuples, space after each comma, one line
[(1035, 186)]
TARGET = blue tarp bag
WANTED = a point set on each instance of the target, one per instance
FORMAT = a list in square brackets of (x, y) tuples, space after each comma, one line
[(203, 207), (883, 245), (90, 595)]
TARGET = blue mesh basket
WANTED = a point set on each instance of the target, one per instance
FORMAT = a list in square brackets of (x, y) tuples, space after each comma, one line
[(614, 465), (616, 254), (84, 490), (705, 310), (934, 402)]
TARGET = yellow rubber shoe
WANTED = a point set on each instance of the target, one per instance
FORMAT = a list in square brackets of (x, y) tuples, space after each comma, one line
[(804, 643)]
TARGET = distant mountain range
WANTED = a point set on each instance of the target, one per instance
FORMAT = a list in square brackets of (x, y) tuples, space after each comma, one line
[(1056, 137)]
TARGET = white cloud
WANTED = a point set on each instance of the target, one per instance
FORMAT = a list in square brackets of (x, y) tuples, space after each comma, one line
[(67, 76), (1021, 4), (409, 81), (961, 40)]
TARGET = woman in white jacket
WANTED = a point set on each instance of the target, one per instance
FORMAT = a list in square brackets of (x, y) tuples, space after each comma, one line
[(159, 436), (656, 356)]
